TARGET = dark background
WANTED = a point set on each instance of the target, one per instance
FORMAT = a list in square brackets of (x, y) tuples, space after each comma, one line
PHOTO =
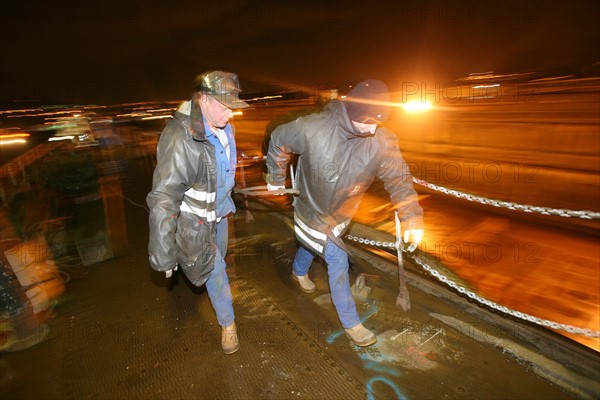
[(105, 52)]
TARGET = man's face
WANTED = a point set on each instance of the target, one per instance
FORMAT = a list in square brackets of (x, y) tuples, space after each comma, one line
[(364, 128), (217, 114)]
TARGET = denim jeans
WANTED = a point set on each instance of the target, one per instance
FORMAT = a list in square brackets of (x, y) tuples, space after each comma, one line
[(339, 281), (217, 284)]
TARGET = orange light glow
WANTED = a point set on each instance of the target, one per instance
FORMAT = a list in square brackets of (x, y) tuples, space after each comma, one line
[(13, 135), (417, 106)]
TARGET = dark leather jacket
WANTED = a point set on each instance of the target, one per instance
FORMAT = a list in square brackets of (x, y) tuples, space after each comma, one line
[(336, 166), (182, 200)]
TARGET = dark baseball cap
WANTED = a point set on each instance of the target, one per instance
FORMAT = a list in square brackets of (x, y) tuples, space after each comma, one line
[(368, 102), (222, 86)]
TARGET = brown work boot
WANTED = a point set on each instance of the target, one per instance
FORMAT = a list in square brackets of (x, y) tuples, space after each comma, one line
[(361, 336), (229, 339), (305, 283)]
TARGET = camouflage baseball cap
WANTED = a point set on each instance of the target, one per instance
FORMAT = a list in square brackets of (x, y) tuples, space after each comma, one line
[(222, 86)]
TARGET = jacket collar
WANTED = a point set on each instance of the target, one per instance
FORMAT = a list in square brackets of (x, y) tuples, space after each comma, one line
[(190, 115)]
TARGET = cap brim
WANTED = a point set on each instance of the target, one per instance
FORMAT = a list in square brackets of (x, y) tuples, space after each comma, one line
[(234, 105), (231, 100)]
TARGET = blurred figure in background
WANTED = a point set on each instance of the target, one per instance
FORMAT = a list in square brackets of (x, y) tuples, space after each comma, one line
[(340, 152), (190, 201)]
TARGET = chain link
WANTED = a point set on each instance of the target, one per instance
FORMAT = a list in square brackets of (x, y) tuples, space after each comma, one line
[(472, 295), (560, 212), (391, 245)]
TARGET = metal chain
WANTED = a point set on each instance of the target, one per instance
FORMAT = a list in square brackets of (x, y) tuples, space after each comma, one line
[(391, 245), (560, 212), (472, 295), (511, 206)]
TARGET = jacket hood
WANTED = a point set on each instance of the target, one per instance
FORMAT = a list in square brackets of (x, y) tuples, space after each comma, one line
[(337, 109)]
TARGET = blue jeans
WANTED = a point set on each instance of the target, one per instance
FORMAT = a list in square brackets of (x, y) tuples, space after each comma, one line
[(339, 280), (217, 284)]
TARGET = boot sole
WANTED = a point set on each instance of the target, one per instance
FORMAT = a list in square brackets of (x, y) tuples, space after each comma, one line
[(232, 350), (365, 343)]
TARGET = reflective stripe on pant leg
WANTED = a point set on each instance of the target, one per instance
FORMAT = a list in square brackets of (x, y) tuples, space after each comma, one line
[(339, 284), (217, 285), (302, 261)]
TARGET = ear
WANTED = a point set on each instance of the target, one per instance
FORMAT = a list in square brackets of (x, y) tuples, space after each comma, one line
[(200, 97)]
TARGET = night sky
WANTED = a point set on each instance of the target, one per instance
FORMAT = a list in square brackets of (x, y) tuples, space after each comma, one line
[(106, 52)]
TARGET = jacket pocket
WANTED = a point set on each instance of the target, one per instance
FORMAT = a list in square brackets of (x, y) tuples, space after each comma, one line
[(195, 248)]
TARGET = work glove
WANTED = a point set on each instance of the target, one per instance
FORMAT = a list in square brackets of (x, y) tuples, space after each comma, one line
[(272, 188), (413, 237), (169, 272)]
